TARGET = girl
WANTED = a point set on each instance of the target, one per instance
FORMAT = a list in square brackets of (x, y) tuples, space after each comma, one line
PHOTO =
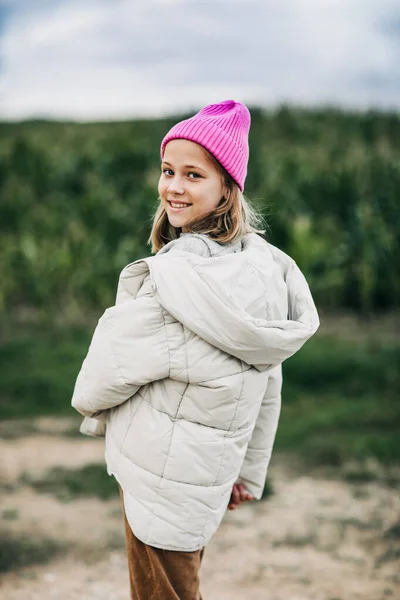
[(184, 374)]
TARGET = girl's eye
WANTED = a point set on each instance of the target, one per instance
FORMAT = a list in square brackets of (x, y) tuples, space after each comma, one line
[(196, 175)]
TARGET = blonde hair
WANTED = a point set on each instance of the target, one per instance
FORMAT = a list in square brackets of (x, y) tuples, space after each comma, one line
[(228, 222)]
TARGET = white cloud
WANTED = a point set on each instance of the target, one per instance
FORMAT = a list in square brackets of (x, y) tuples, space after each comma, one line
[(97, 59)]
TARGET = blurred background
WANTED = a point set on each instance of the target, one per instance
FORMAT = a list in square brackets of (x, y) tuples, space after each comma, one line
[(88, 89)]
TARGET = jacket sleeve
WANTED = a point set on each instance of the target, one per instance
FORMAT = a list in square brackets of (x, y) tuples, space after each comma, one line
[(129, 348), (255, 465)]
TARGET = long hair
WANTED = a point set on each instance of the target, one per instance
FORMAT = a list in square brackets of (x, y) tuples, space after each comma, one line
[(228, 222)]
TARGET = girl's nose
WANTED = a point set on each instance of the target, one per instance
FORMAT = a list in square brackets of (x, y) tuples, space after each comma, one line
[(176, 186)]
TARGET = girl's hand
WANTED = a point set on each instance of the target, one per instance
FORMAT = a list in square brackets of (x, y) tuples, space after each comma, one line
[(238, 495)]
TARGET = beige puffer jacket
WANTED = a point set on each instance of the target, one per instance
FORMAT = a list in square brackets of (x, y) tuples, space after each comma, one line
[(185, 372)]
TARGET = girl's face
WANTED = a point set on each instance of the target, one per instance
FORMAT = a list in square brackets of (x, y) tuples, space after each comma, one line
[(190, 186)]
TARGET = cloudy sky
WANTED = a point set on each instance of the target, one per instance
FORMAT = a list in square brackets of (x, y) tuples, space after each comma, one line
[(113, 59)]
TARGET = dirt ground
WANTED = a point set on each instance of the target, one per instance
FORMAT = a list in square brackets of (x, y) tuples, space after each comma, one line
[(316, 538)]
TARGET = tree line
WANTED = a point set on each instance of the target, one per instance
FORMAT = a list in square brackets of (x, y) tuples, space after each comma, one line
[(77, 200)]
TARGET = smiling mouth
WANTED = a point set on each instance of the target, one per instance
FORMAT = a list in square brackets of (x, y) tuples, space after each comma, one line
[(179, 205)]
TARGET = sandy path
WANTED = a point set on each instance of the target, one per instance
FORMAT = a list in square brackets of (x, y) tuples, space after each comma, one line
[(314, 539)]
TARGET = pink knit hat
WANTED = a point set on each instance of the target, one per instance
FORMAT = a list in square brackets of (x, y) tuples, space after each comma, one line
[(223, 130)]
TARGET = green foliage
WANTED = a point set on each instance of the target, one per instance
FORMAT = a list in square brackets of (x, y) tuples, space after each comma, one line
[(268, 490), (68, 484), (38, 368), (76, 205), (339, 398), (18, 551), (10, 514), (394, 531), (330, 366)]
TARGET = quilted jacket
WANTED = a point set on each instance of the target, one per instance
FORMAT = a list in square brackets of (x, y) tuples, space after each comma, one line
[(185, 375)]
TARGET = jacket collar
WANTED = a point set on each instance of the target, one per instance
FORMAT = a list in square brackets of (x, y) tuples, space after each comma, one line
[(201, 244)]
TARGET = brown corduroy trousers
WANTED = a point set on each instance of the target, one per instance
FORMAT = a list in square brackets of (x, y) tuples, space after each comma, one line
[(157, 574)]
